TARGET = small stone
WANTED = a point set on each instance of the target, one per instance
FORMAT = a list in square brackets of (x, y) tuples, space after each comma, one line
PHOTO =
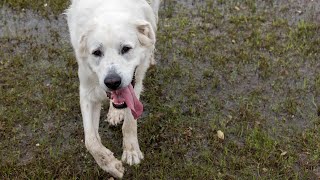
[(283, 153), (220, 134), (264, 169)]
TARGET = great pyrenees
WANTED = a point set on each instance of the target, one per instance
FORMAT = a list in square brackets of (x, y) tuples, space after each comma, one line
[(114, 42)]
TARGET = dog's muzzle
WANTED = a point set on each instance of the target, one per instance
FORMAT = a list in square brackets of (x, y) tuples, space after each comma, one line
[(123, 105)]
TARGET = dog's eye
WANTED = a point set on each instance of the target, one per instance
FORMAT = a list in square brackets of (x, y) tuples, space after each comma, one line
[(125, 49), (97, 53)]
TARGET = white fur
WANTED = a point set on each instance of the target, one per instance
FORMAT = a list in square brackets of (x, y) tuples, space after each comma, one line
[(107, 25)]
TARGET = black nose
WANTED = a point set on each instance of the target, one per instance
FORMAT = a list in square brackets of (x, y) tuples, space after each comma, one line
[(112, 81)]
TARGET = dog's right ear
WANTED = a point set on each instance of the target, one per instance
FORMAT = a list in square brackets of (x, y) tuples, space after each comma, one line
[(146, 34)]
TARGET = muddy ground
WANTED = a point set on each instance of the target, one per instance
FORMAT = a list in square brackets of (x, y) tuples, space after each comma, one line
[(248, 68)]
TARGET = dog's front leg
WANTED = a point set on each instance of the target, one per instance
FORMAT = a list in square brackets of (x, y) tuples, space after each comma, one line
[(131, 150), (103, 156)]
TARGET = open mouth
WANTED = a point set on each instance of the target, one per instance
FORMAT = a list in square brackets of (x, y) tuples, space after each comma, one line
[(119, 105), (119, 98), (126, 97)]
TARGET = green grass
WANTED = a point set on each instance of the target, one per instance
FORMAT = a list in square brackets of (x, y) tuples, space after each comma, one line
[(251, 72)]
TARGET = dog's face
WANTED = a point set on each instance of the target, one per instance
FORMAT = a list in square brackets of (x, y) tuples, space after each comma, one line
[(114, 49)]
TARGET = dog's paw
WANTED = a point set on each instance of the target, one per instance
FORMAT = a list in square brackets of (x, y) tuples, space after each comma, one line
[(115, 116), (109, 163), (132, 154), (132, 157), (115, 168)]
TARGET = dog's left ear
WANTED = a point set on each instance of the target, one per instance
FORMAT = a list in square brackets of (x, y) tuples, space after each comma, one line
[(146, 33)]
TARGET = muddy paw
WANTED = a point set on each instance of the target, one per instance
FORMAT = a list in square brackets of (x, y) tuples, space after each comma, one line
[(115, 116)]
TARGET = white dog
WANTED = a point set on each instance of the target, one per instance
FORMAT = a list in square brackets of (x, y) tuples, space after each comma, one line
[(114, 41)]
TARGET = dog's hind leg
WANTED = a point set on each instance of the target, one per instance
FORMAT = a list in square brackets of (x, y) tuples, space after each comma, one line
[(103, 156), (131, 150)]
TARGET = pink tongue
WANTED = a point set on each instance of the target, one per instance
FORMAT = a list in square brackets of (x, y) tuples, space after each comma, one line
[(128, 96)]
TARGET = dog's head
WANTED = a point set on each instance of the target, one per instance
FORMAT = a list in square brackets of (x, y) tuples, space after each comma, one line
[(113, 49)]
